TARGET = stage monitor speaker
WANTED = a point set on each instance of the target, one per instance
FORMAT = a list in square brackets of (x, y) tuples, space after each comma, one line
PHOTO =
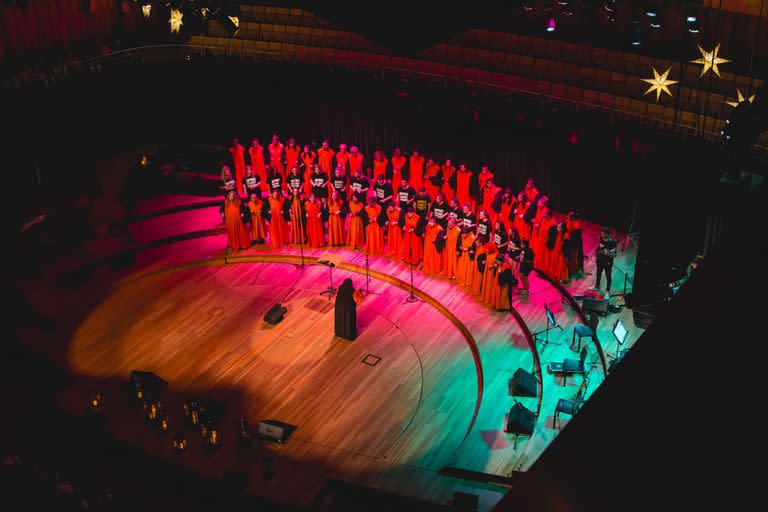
[(465, 502), (520, 420), (275, 314), (642, 319), (598, 306), (275, 430), (523, 383)]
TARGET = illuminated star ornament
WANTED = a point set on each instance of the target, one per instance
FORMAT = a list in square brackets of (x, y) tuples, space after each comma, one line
[(175, 20), (710, 60), (146, 9), (740, 99), (659, 83)]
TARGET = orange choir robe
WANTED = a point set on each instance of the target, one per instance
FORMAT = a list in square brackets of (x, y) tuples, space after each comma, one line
[(558, 263), (238, 236), (336, 234), (466, 261), (276, 157), (450, 258), (462, 186), (448, 172), (477, 276), (432, 171), (501, 293), (523, 229), (238, 157), (415, 171), (531, 193), (397, 170), (374, 235), (506, 213), (380, 167), (309, 163), (355, 162), (298, 221), (489, 194), (489, 278), (291, 157), (257, 164), (433, 260), (541, 254), (315, 232), (325, 160), (278, 227), (483, 177), (410, 248), (257, 223), (394, 234), (342, 158), (355, 233)]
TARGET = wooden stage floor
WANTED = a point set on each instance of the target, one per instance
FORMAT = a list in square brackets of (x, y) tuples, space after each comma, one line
[(196, 321)]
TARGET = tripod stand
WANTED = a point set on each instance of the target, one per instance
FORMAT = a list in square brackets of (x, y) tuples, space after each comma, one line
[(331, 291), (411, 298), (551, 324)]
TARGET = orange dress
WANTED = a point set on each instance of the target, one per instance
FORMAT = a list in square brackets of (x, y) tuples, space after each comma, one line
[(374, 235), (276, 157), (342, 157), (278, 227), (380, 167), (298, 222), (523, 229), (257, 164), (483, 177), (416, 171), (238, 157), (355, 162), (501, 291), (432, 171), (398, 162), (395, 234), (309, 162), (325, 160), (238, 236), (462, 186), (466, 262), (450, 259), (355, 233), (477, 276), (257, 223), (291, 157), (315, 232), (505, 214), (489, 195), (433, 260), (410, 248), (489, 278), (448, 172), (542, 255), (336, 234)]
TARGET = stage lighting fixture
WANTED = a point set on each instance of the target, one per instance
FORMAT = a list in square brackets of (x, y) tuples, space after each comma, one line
[(636, 31), (551, 24), (610, 5), (146, 9), (566, 8), (692, 23), (528, 5)]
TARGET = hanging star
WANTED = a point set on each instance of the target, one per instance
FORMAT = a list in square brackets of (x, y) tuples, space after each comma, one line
[(146, 9), (175, 20), (710, 60), (740, 99), (659, 83), (204, 13)]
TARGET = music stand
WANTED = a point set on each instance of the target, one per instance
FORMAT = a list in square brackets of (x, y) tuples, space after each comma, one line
[(620, 333), (551, 324), (330, 260)]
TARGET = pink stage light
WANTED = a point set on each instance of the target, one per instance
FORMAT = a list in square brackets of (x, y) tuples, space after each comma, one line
[(551, 24)]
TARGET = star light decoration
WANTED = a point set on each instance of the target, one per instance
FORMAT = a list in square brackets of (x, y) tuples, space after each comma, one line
[(175, 20), (659, 83), (741, 99), (146, 9), (710, 60)]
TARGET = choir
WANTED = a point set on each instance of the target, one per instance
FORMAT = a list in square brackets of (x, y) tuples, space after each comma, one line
[(453, 222)]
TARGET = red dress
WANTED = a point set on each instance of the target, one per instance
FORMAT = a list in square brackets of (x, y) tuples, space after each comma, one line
[(238, 236), (374, 235), (238, 156), (355, 233), (410, 248), (278, 228), (315, 232), (433, 260)]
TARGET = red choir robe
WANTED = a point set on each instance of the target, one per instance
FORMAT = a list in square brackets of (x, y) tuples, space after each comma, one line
[(380, 167), (355, 162), (336, 234), (398, 162), (355, 232), (463, 180), (374, 235), (325, 160), (315, 232), (506, 213), (489, 195), (450, 257), (433, 260), (298, 222), (523, 228), (410, 248), (276, 157), (466, 260), (558, 263), (258, 232), (432, 171), (501, 293), (291, 157), (394, 233), (530, 193), (416, 171), (487, 288), (257, 164), (477, 274), (278, 227), (448, 172), (483, 177), (576, 254), (309, 164), (238, 156), (536, 232), (342, 158), (238, 236)]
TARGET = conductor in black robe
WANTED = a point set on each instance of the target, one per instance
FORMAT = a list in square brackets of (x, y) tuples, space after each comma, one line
[(345, 311)]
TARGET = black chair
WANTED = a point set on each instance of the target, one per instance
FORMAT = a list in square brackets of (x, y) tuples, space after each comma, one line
[(566, 406), (574, 366), (585, 331)]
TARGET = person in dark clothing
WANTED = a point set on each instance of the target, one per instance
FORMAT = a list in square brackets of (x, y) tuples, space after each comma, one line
[(606, 251), (320, 184), (384, 194), (345, 311), (526, 264)]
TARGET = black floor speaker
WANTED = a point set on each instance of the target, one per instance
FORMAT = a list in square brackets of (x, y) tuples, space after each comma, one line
[(598, 306), (523, 383), (520, 420), (275, 314)]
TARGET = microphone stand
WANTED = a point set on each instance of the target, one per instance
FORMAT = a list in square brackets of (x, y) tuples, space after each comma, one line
[(368, 276), (410, 299)]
